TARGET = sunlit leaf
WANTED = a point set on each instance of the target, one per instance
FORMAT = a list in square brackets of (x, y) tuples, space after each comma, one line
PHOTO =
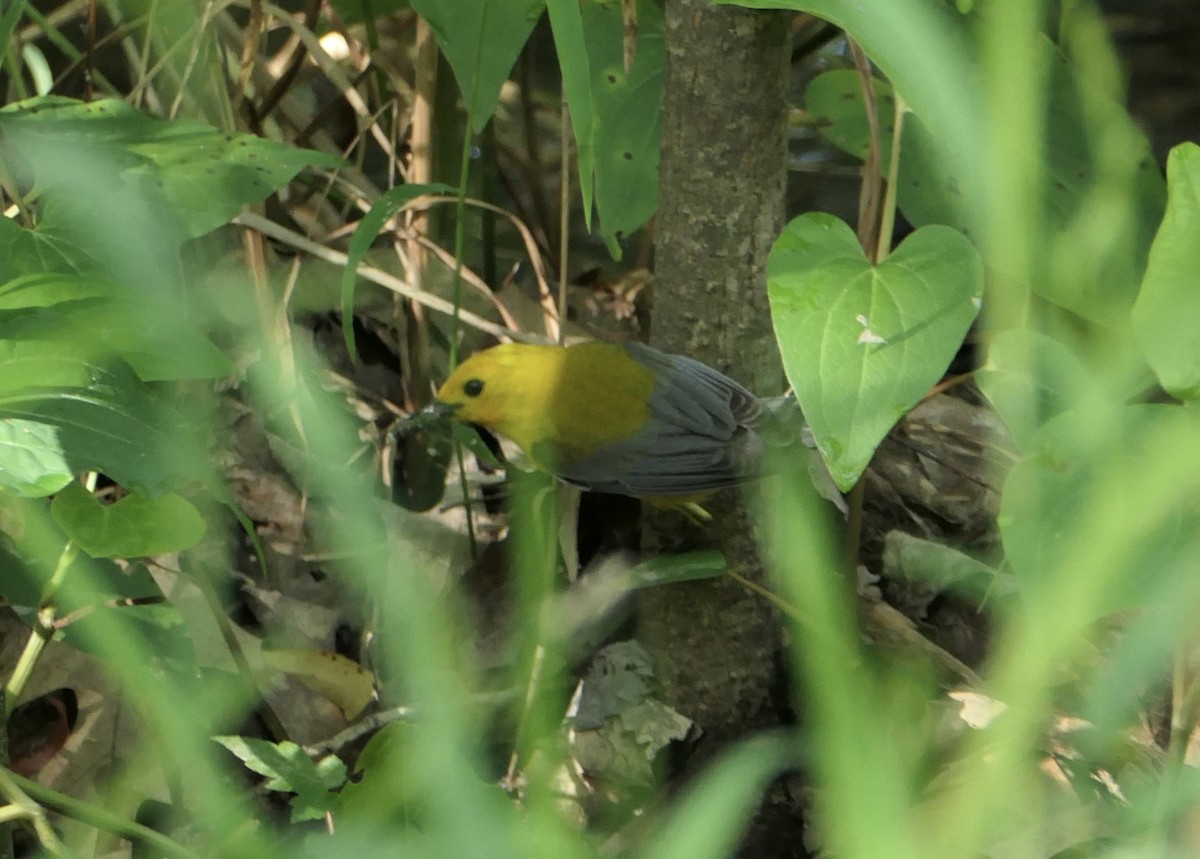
[(862, 344)]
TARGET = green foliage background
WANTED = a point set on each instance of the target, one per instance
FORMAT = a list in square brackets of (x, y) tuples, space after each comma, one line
[(1031, 188)]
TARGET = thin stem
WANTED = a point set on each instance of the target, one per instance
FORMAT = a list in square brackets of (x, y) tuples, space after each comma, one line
[(22, 806), (531, 692), (870, 191), (851, 539), (888, 221), (1185, 705), (564, 215), (47, 613), (93, 815), (388, 281)]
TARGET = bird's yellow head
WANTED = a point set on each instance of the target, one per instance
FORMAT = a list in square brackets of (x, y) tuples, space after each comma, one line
[(495, 388)]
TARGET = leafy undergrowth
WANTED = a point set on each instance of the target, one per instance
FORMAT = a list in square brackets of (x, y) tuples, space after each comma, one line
[(255, 607)]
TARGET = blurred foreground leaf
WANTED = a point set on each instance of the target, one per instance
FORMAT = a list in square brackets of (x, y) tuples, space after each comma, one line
[(1166, 316)]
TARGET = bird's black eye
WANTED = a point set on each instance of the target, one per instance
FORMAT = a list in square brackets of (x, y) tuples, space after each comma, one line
[(473, 387)]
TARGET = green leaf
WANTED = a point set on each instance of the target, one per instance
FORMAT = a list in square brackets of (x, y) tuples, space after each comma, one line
[(706, 821), (159, 628), (94, 594), (8, 25), (668, 569), (941, 568), (1029, 378), (158, 345), (862, 344), (135, 526), (627, 113), (166, 353), (69, 409), (27, 252), (570, 44), (201, 175), (289, 769), (1166, 316), (469, 438), (46, 289), (32, 464), (1052, 500), (365, 234), (481, 40)]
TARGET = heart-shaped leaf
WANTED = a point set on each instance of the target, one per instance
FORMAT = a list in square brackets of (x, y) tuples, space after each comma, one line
[(133, 527), (862, 344)]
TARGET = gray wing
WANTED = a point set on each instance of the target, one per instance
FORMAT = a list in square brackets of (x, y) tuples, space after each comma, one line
[(699, 436)]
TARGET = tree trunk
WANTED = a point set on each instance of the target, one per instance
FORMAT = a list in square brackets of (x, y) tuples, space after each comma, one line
[(723, 176)]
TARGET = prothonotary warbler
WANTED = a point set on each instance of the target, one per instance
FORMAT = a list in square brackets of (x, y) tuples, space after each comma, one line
[(619, 418)]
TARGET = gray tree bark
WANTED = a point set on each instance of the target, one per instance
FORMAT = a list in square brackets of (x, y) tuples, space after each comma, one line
[(722, 183)]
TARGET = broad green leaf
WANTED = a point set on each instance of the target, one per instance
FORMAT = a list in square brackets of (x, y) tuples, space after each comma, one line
[(1166, 317), (201, 175), (27, 252), (159, 346), (481, 40), (862, 344), (376, 774), (133, 527), (835, 106), (570, 43), (940, 568), (95, 592), (1029, 378), (626, 115), (37, 364), (116, 426), (1053, 499), (166, 353), (288, 768), (46, 289), (32, 463), (707, 820), (104, 588), (365, 234)]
